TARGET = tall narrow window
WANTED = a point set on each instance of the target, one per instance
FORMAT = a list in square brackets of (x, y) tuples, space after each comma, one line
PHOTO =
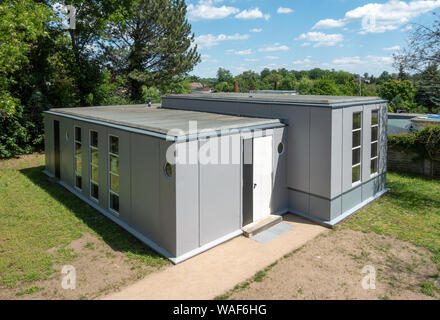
[(78, 158), (114, 173), (94, 165), (357, 148), (374, 142)]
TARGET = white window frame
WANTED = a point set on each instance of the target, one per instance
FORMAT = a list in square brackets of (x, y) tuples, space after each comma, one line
[(110, 191), (75, 172), (375, 141), (91, 181), (359, 164)]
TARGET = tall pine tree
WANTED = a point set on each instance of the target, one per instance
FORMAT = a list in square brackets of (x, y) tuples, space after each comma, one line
[(150, 42)]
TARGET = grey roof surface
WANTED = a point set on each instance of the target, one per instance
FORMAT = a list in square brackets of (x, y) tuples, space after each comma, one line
[(163, 120), (285, 98)]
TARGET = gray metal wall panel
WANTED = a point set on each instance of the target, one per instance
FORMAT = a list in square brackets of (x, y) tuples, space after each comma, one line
[(299, 201), (319, 208), (298, 145), (336, 152), (351, 198), (220, 207), (66, 150), (48, 144), (335, 207), (124, 174), (320, 151), (167, 202), (145, 171), (383, 143), (370, 188), (279, 199), (187, 201)]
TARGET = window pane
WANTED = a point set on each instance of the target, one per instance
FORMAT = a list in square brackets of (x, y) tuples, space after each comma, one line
[(356, 174), (114, 202), (114, 145), (78, 149), (94, 139), (95, 156), (356, 120), (374, 117), (356, 138), (78, 164), (78, 134), (114, 164), (374, 150), (374, 131), (78, 181), (356, 156), (94, 190), (114, 183), (95, 174), (374, 166)]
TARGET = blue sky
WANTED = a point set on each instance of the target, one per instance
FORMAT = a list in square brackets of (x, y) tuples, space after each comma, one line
[(352, 35)]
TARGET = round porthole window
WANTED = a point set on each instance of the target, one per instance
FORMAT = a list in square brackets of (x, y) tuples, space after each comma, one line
[(168, 170), (281, 148)]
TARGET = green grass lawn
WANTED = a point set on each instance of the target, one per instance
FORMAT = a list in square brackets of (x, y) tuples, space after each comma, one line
[(36, 216), (410, 211)]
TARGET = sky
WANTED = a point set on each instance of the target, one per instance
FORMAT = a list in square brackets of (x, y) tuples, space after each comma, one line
[(352, 35)]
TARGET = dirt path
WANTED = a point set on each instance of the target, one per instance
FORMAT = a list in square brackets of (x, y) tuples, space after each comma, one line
[(213, 272), (329, 267)]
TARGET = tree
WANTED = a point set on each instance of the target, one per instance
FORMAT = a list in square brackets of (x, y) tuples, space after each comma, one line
[(150, 42), (324, 86), (401, 94), (423, 48), (428, 89), (21, 24), (224, 75)]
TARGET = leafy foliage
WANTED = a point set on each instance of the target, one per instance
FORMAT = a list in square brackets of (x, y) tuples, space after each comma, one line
[(425, 142)]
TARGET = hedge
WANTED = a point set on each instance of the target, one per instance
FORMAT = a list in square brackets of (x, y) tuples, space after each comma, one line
[(425, 142)]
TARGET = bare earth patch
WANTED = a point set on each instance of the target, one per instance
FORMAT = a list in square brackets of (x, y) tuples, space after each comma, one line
[(330, 267), (99, 270)]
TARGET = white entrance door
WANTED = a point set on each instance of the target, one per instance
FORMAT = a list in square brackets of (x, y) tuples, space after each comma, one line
[(262, 177)]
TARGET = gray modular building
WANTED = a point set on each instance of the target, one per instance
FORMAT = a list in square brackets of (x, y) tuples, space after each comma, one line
[(190, 175)]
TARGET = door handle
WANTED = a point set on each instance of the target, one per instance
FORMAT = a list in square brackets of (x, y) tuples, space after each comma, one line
[(255, 185)]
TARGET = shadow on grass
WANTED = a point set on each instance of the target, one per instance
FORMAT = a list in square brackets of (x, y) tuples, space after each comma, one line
[(116, 237)]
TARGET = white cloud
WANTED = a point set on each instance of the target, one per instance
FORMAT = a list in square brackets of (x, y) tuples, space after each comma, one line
[(243, 52), (275, 47), (382, 17), (252, 14), (329, 23), (352, 63), (305, 44), (395, 48), (210, 40), (302, 62), (321, 39), (272, 57), (282, 10), (256, 30), (251, 60), (205, 10)]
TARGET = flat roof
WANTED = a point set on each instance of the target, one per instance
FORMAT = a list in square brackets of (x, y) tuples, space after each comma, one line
[(162, 121), (281, 98)]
